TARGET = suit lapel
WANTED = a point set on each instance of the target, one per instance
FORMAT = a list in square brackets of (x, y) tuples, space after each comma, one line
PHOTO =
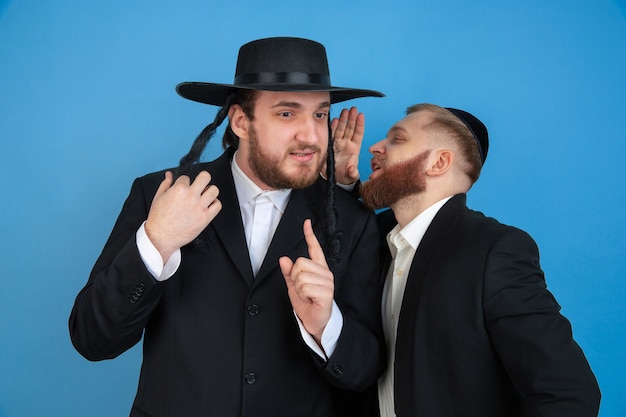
[(435, 240), (227, 224), (302, 205)]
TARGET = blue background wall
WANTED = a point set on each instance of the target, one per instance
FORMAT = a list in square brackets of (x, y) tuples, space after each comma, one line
[(87, 103)]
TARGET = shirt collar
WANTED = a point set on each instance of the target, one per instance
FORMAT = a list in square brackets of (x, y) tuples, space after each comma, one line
[(413, 232), (247, 190)]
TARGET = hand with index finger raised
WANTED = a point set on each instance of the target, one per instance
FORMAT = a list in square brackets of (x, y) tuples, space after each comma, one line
[(310, 285), (316, 253)]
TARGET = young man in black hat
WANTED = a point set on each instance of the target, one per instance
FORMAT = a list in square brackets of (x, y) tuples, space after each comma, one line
[(471, 328), (253, 283)]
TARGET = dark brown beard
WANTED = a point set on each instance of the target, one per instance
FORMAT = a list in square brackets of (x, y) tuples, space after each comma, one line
[(396, 182), (266, 167)]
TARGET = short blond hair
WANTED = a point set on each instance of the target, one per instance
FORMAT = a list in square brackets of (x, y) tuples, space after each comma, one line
[(447, 123)]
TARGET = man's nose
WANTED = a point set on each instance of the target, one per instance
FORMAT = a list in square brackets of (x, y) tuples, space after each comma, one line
[(377, 148), (311, 132)]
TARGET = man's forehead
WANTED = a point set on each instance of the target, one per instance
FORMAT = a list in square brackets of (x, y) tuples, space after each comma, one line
[(413, 122), (420, 116)]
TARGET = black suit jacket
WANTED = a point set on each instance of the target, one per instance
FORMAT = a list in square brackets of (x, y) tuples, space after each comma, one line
[(479, 334), (217, 341)]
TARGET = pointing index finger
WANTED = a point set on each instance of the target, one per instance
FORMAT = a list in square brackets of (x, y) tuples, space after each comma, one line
[(315, 250)]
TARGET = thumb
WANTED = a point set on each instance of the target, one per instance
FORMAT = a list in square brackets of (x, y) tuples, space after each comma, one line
[(286, 266), (165, 184)]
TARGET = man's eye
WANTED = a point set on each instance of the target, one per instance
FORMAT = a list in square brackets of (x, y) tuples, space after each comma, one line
[(321, 115)]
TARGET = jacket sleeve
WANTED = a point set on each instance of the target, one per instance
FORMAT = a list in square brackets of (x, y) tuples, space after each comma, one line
[(532, 338), (111, 311), (359, 357)]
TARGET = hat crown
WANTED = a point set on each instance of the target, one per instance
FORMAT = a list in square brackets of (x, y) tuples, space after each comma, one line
[(276, 64), (279, 57)]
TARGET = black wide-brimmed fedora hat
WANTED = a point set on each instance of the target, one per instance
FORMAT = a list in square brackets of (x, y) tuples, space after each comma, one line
[(276, 64)]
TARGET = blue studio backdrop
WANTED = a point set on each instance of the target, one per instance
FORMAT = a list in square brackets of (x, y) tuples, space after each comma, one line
[(87, 104)]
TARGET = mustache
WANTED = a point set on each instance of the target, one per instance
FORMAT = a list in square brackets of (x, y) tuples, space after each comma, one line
[(306, 148)]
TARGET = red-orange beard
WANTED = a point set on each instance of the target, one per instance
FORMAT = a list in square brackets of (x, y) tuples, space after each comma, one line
[(396, 182)]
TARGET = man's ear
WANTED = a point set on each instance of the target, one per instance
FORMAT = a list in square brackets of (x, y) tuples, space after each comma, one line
[(440, 162), (238, 121)]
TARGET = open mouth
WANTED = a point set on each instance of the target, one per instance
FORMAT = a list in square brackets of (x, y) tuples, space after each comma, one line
[(302, 155)]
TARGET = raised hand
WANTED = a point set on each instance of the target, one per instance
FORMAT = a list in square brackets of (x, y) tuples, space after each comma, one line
[(180, 211), (348, 131), (311, 285)]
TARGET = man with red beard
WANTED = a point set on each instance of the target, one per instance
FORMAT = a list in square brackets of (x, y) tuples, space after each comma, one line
[(471, 329), (264, 301)]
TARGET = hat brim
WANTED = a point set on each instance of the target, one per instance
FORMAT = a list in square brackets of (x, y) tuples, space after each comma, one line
[(216, 94)]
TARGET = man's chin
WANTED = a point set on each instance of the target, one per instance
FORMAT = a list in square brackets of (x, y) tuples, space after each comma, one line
[(375, 174), (296, 179), (305, 179)]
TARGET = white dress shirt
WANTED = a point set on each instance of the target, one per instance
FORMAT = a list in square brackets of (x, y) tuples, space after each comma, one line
[(247, 191), (403, 244)]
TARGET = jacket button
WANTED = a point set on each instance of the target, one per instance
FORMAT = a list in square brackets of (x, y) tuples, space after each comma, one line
[(134, 297), (251, 378), (337, 369), (253, 310)]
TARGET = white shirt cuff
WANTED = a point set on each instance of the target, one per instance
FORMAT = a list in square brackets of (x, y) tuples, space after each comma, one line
[(330, 336), (347, 187), (152, 258)]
